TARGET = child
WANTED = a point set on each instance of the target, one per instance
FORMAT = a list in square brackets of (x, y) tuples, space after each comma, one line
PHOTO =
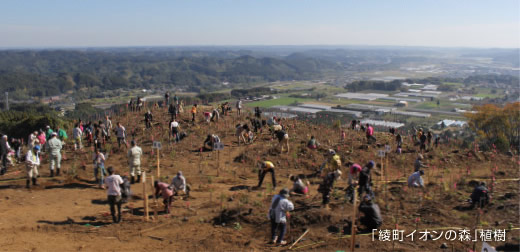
[(99, 167)]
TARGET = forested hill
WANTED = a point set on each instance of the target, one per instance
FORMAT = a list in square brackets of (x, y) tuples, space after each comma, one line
[(51, 72)]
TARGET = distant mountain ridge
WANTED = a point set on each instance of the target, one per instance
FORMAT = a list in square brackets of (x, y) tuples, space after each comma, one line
[(47, 73)]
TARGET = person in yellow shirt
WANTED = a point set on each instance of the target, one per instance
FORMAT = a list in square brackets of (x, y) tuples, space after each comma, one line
[(265, 167), (193, 112), (333, 163)]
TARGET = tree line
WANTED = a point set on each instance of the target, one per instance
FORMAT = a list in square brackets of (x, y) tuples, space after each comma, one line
[(28, 74)]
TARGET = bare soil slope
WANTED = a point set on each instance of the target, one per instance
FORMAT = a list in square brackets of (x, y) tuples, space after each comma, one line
[(224, 212)]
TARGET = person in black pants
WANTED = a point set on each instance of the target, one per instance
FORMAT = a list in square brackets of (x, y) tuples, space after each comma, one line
[(113, 183), (258, 112), (480, 196), (265, 167), (326, 187), (172, 110), (365, 180)]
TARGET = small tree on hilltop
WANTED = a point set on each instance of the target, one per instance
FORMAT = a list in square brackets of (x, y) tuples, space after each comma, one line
[(496, 125)]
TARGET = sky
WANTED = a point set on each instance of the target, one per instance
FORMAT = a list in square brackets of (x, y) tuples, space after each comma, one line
[(118, 23)]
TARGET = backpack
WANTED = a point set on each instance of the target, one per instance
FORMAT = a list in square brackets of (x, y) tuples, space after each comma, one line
[(125, 190), (271, 210)]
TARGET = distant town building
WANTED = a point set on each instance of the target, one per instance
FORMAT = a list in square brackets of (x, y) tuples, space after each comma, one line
[(402, 104)]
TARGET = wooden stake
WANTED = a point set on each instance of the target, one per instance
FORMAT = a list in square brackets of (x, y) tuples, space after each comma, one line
[(386, 183), (158, 164), (145, 196), (306, 231), (154, 199), (354, 217), (218, 163)]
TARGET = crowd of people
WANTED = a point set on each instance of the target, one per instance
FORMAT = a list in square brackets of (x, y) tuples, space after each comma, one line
[(96, 135)]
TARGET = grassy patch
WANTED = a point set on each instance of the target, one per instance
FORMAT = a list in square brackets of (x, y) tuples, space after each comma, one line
[(456, 84), (284, 101), (486, 92)]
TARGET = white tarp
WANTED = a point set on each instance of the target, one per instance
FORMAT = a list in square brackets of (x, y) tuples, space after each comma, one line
[(450, 123)]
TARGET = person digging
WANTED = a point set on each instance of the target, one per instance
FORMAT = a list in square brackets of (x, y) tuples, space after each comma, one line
[(365, 180), (332, 163), (299, 187), (179, 186), (480, 196), (353, 177), (371, 215), (265, 167), (326, 187), (166, 192)]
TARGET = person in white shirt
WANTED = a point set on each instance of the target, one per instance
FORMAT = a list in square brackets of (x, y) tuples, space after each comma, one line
[(175, 130), (32, 161), (239, 107), (54, 146), (77, 134), (415, 180), (179, 185), (121, 135), (134, 161), (108, 126), (113, 183)]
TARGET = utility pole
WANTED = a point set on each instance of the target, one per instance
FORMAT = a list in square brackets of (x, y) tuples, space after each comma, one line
[(7, 101)]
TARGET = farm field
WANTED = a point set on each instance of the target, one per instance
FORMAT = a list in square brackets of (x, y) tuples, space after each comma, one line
[(279, 101)]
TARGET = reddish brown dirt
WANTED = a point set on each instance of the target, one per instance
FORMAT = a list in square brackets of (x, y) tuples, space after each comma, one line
[(69, 213)]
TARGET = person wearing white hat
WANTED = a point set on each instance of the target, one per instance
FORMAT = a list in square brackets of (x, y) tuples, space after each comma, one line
[(48, 132), (32, 161), (54, 145)]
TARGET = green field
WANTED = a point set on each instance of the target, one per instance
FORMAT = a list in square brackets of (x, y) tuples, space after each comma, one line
[(486, 92), (284, 101), (456, 84)]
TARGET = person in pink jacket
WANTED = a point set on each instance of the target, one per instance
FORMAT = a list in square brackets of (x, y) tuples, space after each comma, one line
[(370, 134), (41, 137)]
